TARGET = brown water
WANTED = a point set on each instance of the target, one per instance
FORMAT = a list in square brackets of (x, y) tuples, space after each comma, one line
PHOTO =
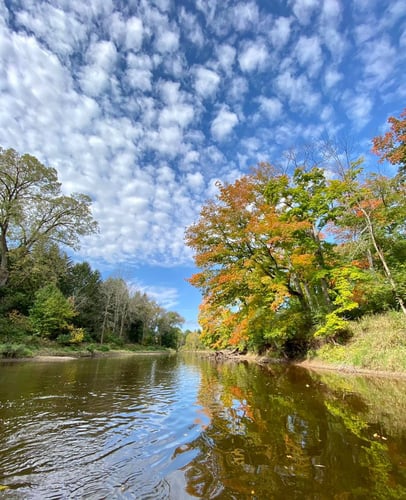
[(148, 427)]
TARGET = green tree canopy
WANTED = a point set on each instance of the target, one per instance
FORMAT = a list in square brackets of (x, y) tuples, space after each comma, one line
[(33, 208), (51, 313)]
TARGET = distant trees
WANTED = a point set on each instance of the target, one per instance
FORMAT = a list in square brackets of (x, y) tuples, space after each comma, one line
[(284, 258)]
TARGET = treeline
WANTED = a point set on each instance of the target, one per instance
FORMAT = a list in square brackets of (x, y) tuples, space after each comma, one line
[(287, 258), (43, 294)]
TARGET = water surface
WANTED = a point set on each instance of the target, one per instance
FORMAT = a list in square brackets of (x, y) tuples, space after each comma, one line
[(173, 427)]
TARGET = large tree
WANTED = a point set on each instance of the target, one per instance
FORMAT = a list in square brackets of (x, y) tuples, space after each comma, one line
[(33, 208), (260, 250)]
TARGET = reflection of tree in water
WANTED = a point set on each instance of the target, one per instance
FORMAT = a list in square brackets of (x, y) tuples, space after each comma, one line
[(284, 434)]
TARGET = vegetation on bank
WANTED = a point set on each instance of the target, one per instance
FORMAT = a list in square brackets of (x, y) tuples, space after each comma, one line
[(47, 298), (33, 348), (288, 257), (378, 342)]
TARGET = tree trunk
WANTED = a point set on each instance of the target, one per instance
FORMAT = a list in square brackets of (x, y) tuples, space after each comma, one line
[(385, 266), (321, 265), (4, 258)]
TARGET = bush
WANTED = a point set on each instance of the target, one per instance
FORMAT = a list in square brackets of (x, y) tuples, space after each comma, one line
[(74, 337), (103, 348), (15, 351)]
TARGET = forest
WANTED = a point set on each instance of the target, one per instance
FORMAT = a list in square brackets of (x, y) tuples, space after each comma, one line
[(46, 298), (287, 256)]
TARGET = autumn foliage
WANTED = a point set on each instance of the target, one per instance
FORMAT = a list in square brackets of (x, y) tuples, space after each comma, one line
[(285, 259)]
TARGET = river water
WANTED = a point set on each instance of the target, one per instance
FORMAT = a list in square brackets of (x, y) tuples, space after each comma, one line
[(174, 427)]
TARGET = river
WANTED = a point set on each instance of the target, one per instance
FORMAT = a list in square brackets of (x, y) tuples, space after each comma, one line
[(175, 427)]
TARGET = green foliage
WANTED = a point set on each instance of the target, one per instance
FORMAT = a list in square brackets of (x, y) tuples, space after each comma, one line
[(84, 286), (15, 351), (14, 326), (192, 341), (51, 312), (33, 210), (378, 342), (343, 280), (74, 337), (287, 258)]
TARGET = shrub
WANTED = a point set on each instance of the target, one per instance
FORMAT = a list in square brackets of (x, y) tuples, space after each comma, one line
[(15, 351)]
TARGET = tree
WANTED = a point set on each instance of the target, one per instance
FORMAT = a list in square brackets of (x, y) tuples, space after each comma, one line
[(261, 252), (33, 209), (116, 303), (45, 263), (169, 330), (392, 145), (51, 312), (375, 211), (84, 287)]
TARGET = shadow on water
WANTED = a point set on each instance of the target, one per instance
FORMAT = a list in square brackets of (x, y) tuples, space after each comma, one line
[(185, 427)]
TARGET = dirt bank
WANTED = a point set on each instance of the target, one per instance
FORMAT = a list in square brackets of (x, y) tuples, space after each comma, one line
[(351, 370)]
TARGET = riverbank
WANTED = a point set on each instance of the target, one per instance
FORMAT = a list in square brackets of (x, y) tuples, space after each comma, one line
[(53, 352), (377, 346)]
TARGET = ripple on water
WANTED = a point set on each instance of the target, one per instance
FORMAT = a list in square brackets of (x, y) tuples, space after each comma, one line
[(101, 441)]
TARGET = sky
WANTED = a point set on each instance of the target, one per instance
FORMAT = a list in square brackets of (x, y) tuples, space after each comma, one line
[(145, 104)]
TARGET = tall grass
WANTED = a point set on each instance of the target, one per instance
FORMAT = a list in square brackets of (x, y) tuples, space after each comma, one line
[(378, 343)]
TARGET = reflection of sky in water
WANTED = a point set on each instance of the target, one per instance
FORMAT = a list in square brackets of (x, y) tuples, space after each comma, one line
[(166, 428)]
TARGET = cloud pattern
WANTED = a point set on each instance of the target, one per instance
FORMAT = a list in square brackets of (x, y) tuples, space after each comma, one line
[(144, 104)]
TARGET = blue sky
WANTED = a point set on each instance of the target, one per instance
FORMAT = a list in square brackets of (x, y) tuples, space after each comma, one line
[(145, 105)]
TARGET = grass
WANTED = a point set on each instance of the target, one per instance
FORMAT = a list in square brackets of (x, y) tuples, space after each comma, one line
[(378, 343)]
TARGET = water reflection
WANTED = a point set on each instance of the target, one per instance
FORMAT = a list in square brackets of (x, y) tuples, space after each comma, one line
[(289, 434), (172, 427)]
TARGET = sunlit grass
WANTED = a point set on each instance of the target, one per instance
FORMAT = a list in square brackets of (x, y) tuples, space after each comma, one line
[(378, 343)]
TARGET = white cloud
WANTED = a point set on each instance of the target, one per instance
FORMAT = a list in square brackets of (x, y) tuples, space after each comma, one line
[(63, 34), (226, 56), (358, 109), (180, 114), (237, 89), (95, 77), (166, 297), (195, 181), (304, 10), (280, 32), (118, 100), (134, 33), (167, 140), (331, 11), (253, 56), (364, 32), (297, 90), (309, 54), (332, 77), (336, 42), (206, 81), (245, 15), (191, 27), (223, 124), (379, 58), (167, 41), (271, 107), (139, 71), (170, 91)]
